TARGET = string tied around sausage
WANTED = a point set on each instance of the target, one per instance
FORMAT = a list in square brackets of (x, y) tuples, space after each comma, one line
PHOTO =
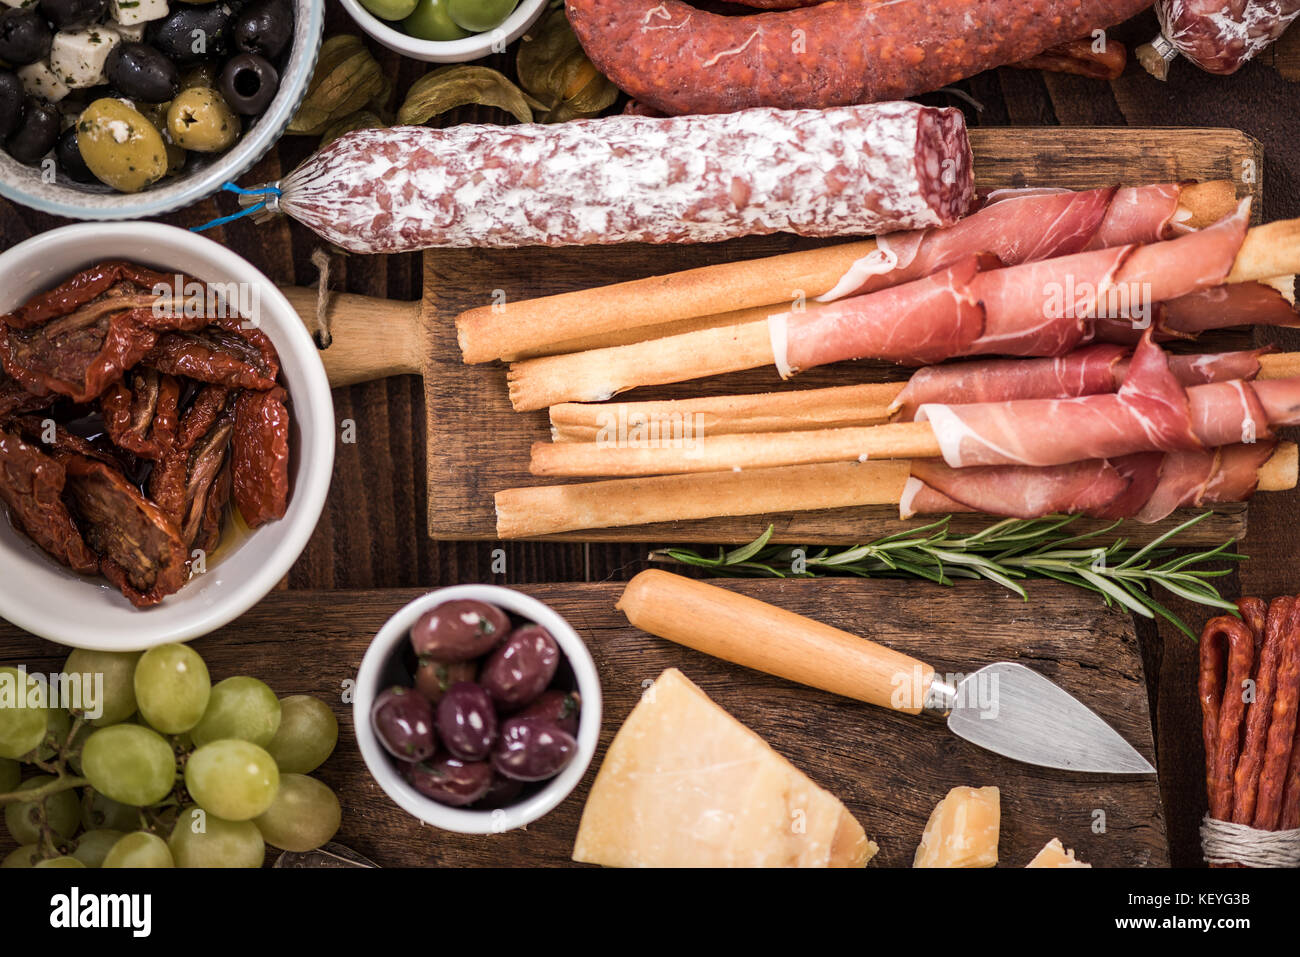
[(271, 192), (1223, 842)]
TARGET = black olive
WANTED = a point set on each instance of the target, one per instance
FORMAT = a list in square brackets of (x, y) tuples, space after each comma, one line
[(264, 27), (37, 134), (25, 37), (142, 73), (191, 34), (70, 14), (68, 155), (11, 103), (248, 82)]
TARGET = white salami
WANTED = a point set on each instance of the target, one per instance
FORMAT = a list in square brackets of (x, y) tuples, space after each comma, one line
[(854, 170), (1217, 35)]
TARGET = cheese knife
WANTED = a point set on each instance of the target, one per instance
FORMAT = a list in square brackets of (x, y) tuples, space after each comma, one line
[(1003, 707)]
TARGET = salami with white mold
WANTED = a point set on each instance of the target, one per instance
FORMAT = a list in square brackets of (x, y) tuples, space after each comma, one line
[(1219, 36), (855, 170)]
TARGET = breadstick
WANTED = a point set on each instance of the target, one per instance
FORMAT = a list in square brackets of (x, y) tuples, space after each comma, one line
[(552, 509), (1268, 252), (833, 407)]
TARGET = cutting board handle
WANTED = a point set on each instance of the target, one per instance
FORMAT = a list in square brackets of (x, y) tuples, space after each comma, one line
[(370, 338), (752, 633)]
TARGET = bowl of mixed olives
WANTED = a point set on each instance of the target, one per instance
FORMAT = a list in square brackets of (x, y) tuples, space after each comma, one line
[(477, 709), (445, 31), (115, 109)]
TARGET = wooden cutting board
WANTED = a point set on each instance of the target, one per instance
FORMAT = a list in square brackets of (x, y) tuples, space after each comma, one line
[(478, 445), (889, 769)]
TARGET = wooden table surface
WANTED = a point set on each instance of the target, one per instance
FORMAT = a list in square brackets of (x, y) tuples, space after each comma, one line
[(372, 533)]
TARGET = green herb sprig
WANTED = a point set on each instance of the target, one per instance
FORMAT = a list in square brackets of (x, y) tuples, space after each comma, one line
[(1007, 553)]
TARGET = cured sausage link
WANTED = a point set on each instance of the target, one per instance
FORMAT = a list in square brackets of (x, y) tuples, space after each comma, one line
[(679, 59), (1227, 654)]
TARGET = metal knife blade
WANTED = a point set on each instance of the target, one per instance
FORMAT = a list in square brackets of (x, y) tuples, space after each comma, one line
[(1014, 711)]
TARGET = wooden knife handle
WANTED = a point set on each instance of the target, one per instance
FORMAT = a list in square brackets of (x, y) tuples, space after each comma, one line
[(370, 338), (752, 633)]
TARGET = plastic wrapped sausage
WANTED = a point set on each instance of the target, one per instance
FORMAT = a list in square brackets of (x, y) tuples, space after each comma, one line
[(848, 171), (1217, 35)]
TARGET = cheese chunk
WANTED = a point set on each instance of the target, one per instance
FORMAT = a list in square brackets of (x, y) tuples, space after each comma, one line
[(138, 11), (40, 81), (78, 55), (687, 785), (1055, 855), (133, 32), (962, 830)]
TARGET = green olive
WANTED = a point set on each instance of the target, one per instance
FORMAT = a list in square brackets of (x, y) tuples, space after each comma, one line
[(480, 16), (431, 22), (389, 9), (200, 120), (120, 146), (156, 113)]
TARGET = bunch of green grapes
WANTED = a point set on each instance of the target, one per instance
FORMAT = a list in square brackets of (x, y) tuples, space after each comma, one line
[(173, 772)]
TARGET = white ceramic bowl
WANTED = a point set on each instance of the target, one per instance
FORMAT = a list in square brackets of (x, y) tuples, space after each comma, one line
[(204, 175), (38, 594), (382, 667), (447, 51)]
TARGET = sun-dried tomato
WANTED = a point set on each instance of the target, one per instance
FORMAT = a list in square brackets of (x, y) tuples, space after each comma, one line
[(141, 413), (31, 484), (85, 286), (169, 482), (261, 456), (140, 549)]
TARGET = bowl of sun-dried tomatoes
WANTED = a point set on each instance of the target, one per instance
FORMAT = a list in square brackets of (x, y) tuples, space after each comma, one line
[(166, 435)]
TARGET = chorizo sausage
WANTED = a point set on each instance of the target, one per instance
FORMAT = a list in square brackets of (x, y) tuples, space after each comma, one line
[(680, 59)]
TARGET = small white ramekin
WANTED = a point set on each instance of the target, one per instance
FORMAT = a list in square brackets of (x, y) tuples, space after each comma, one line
[(373, 677), (40, 595), (448, 51)]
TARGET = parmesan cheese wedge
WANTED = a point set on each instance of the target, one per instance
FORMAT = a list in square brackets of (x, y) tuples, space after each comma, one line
[(962, 830), (687, 785), (1055, 855)]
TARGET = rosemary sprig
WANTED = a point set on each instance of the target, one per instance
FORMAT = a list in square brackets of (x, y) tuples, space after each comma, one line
[(1006, 552)]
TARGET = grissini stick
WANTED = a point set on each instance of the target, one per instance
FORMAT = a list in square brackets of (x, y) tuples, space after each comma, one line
[(1033, 720), (551, 509), (594, 376), (550, 324), (828, 408)]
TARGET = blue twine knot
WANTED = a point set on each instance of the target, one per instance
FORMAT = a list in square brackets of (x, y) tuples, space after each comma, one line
[(232, 188)]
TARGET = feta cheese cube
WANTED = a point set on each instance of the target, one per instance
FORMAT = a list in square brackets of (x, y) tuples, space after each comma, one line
[(78, 55), (138, 11), (19, 3), (134, 32), (39, 80)]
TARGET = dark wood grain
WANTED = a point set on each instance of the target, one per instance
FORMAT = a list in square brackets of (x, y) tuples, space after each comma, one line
[(889, 769), (478, 445)]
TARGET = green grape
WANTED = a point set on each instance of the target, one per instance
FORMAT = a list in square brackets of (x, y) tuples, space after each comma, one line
[(22, 727), (307, 735), (64, 861), (480, 16), (389, 9), (172, 688), (100, 811), (62, 813), (25, 856), (78, 744), (118, 692), (304, 815), (235, 780), (139, 849), (205, 840), (239, 708), (10, 774), (93, 846), (57, 725), (429, 21), (130, 764)]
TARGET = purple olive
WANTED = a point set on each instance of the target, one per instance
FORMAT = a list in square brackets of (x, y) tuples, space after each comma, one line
[(403, 722), (562, 707), (467, 721), (459, 630), (433, 678), (503, 791), (532, 749), (450, 780), (520, 670)]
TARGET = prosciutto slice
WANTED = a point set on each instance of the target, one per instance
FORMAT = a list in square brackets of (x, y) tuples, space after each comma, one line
[(1092, 370), (1044, 308), (1151, 412), (1148, 487), (1019, 226), (1232, 304)]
